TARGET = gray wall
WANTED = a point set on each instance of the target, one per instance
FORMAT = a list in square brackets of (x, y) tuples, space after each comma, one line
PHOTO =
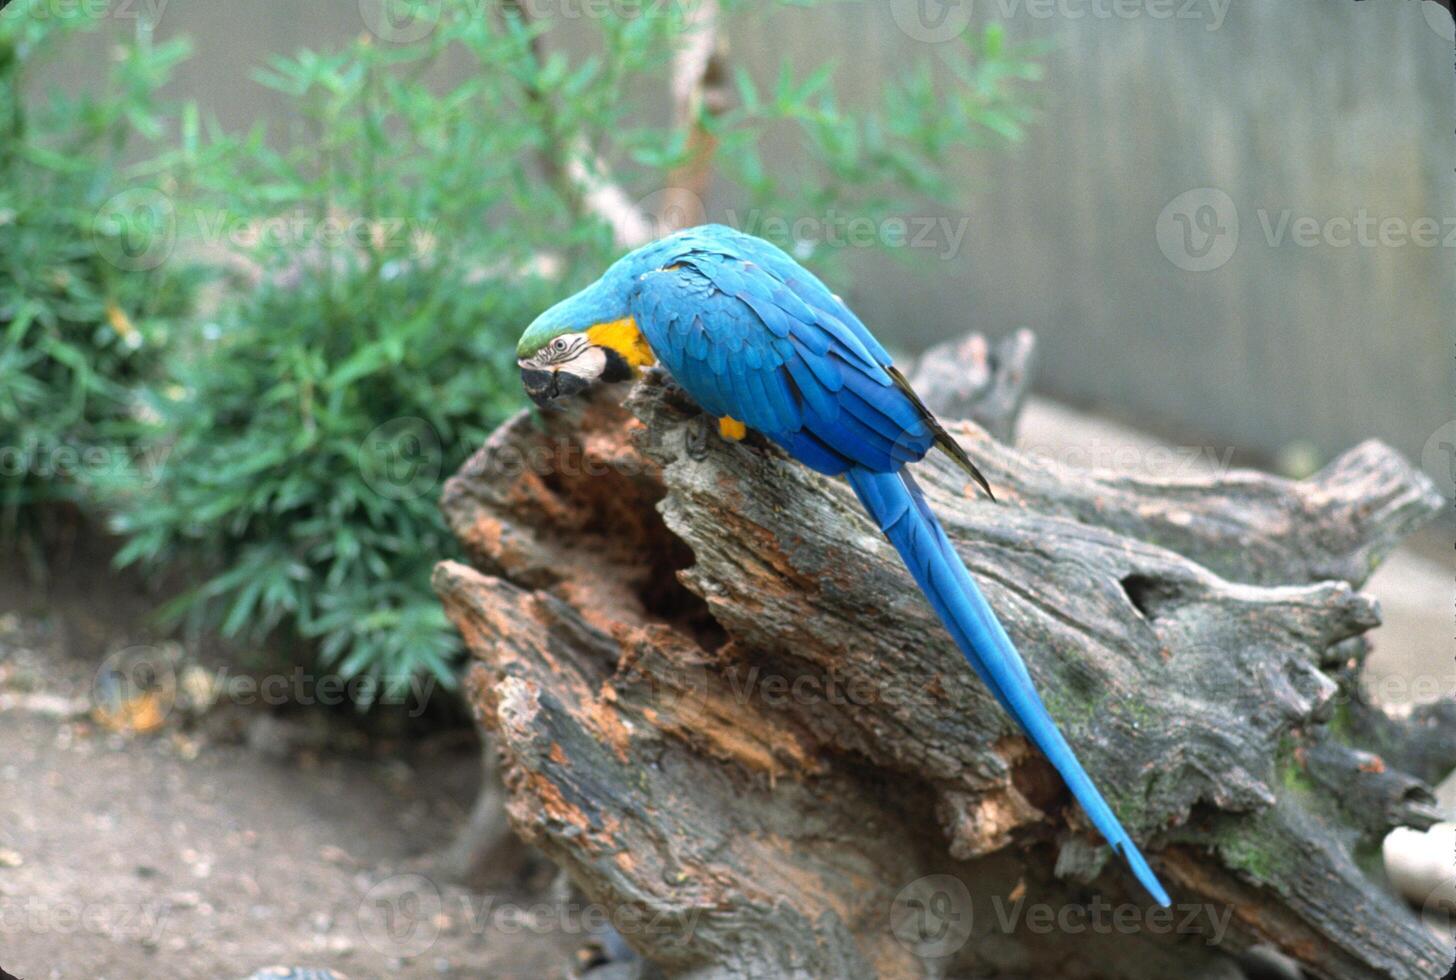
[(1318, 107), (1292, 109)]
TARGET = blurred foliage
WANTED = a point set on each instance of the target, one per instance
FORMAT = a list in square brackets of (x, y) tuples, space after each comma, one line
[(870, 164), (384, 251), (385, 254), (85, 315)]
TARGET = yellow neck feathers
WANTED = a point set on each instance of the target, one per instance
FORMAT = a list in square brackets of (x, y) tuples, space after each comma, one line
[(624, 337)]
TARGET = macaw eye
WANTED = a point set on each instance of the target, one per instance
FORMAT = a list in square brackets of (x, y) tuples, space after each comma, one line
[(558, 345)]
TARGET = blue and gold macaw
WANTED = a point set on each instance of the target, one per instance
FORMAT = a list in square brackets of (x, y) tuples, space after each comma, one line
[(762, 344)]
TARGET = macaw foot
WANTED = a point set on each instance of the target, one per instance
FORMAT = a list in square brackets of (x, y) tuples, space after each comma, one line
[(697, 435)]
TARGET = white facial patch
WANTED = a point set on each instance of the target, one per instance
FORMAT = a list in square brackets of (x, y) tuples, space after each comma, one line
[(587, 365), (571, 353)]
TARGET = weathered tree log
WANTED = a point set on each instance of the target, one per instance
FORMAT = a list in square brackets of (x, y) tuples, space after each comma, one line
[(723, 707), (978, 379)]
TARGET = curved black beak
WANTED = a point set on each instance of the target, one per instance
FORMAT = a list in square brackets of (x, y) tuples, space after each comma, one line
[(545, 387)]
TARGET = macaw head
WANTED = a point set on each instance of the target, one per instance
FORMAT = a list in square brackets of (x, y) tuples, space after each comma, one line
[(583, 339)]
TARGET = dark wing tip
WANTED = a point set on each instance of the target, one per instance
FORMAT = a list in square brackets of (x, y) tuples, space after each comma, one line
[(943, 439), (954, 451), (977, 475)]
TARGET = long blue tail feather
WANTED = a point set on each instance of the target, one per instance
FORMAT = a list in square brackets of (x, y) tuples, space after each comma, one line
[(901, 511)]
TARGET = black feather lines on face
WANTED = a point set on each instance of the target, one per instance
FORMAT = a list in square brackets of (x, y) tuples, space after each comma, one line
[(561, 350)]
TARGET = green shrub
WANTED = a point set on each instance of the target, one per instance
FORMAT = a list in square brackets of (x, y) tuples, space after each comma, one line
[(365, 352), (392, 246), (85, 317)]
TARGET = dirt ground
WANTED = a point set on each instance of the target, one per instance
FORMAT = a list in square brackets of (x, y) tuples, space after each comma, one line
[(249, 838)]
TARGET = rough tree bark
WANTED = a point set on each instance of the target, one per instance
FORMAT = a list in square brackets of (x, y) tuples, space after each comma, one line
[(722, 706)]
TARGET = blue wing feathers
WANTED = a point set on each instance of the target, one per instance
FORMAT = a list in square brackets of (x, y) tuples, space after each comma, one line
[(807, 449), (885, 415), (775, 319), (826, 371), (909, 446), (805, 359), (871, 450), (816, 398), (786, 409), (807, 336), (778, 404), (718, 357), (698, 340), (845, 337)]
